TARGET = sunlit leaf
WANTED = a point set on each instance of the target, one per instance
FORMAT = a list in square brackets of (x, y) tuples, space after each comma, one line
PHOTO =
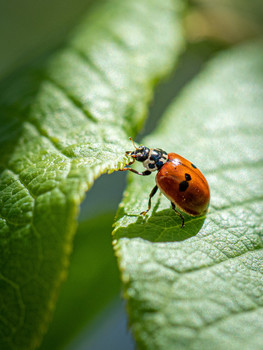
[(201, 287)]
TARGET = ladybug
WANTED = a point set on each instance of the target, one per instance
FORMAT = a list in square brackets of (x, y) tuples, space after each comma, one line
[(177, 178)]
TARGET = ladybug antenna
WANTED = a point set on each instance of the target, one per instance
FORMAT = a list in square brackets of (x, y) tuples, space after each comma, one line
[(133, 143)]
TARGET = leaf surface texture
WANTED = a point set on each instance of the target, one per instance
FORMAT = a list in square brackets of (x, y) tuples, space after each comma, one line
[(201, 287)]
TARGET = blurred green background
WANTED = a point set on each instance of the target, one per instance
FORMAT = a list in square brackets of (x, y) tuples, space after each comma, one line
[(90, 313)]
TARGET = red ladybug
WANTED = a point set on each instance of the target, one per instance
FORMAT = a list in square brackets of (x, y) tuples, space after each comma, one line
[(177, 178)]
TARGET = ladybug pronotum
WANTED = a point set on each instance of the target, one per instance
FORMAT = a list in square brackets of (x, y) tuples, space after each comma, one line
[(177, 178)]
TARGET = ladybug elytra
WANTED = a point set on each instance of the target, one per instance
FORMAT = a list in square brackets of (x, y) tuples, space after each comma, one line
[(177, 178)]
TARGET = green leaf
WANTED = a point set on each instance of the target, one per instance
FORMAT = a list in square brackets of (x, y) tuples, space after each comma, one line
[(201, 287), (62, 125), (93, 280)]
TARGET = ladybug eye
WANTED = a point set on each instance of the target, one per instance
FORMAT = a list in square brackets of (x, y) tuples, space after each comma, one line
[(142, 154)]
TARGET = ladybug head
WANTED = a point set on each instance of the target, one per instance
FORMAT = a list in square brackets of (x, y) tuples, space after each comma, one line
[(140, 154), (152, 158)]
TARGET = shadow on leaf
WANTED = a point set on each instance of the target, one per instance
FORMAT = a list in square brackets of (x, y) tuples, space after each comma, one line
[(161, 226)]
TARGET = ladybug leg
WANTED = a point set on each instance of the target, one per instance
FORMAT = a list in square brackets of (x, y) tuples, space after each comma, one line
[(144, 173), (131, 162), (154, 190), (179, 214)]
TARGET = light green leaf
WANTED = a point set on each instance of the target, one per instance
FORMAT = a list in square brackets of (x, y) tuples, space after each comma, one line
[(93, 280), (62, 126), (201, 287)]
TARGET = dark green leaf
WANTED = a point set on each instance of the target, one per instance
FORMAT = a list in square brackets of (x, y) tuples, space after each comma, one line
[(93, 280), (63, 125)]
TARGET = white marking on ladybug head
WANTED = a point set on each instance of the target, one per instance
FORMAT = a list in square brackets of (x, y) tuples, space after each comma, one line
[(155, 160)]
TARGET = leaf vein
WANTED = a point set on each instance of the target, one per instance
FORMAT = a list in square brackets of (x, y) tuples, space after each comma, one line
[(234, 166), (78, 105), (208, 266), (87, 59)]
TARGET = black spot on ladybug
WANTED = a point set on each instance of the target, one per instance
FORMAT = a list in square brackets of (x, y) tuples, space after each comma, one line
[(151, 165), (183, 186), (193, 166), (155, 155), (187, 177), (159, 164)]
